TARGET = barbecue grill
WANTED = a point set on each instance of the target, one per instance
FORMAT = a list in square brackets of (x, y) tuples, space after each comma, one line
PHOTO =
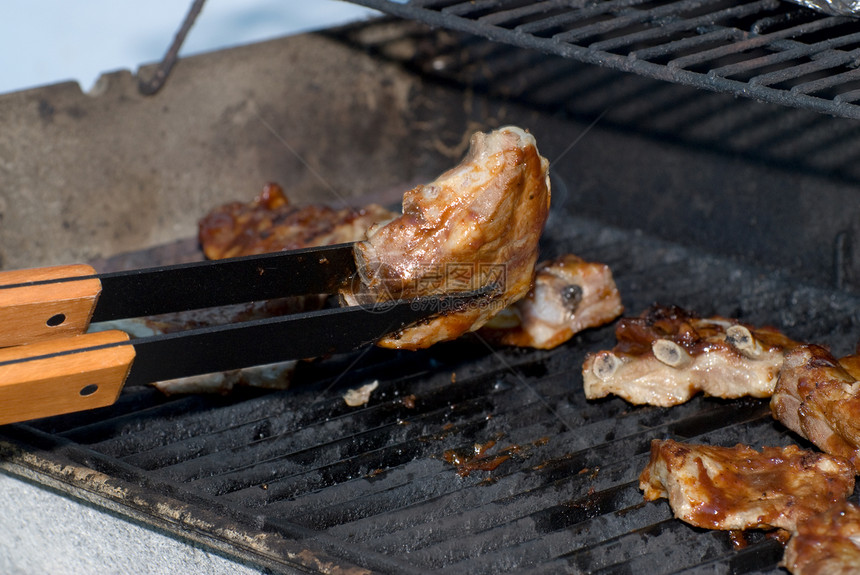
[(467, 458)]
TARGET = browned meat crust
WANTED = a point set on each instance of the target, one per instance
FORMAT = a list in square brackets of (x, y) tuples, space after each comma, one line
[(568, 295), (851, 364), (817, 398), (827, 543), (478, 223), (271, 224), (741, 488), (667, 355)]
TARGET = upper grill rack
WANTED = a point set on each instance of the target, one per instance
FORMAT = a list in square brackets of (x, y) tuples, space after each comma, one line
[(768, 50)]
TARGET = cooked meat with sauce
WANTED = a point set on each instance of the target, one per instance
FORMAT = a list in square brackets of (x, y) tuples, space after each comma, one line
[(741, 488), (819, 399), (477, 224), (826, 544), (271, 223), (851, 364), (667, 355), (568, 295)]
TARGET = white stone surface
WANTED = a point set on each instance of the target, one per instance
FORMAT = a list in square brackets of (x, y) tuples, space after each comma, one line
[(44, 532)]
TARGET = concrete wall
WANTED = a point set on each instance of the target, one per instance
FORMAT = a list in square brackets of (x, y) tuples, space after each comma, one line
[(89, 175)]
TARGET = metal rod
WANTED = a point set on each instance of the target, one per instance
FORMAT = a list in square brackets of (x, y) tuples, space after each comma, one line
[(156, 82)]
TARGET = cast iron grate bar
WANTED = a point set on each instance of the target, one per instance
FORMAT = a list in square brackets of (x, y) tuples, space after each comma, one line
[(823, 58), (710, 44)]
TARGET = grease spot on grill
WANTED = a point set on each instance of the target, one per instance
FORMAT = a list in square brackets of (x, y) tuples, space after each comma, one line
[(738, 539), (476, 459), (375, 473)]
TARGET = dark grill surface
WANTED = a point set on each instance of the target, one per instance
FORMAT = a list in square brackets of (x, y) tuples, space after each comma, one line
[(770, 50), (378, 486)]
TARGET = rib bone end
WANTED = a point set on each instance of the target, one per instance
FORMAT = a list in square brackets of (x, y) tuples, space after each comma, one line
[(670, 353), (605, 365), (743, 340)]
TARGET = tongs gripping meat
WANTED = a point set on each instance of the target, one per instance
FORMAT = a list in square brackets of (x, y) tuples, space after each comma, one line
[(53, 368)]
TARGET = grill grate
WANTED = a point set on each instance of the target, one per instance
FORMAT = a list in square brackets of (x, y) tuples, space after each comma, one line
[(769, 50), (371, 486)]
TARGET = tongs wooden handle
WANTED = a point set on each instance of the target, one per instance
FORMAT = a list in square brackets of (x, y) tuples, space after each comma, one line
[(63, 375), (35, 306)]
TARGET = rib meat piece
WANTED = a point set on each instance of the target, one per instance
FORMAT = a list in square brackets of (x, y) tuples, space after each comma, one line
[(741, 488), (477, 224), (667, 355), (568, 295), (819, 399), (826, 544), (271, 224)]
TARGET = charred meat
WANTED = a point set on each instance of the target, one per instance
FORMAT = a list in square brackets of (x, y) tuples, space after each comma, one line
[(827, 543), (819, 399), (741, 488), (568, 295), (478, 224), (667, 355), (271, 223)]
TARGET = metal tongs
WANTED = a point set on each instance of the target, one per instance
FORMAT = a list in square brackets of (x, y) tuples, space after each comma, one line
[(50, 364)]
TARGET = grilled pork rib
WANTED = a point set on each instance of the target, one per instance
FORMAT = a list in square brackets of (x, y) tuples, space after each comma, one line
[(741, 488), (271, 224), (568, 295), (826, 544), (667, 355), (819, 399), (477, 224)]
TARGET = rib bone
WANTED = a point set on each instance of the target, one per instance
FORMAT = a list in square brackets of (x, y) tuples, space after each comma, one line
[(744, 341), (671, 353), (605, 365), (667, 355)]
